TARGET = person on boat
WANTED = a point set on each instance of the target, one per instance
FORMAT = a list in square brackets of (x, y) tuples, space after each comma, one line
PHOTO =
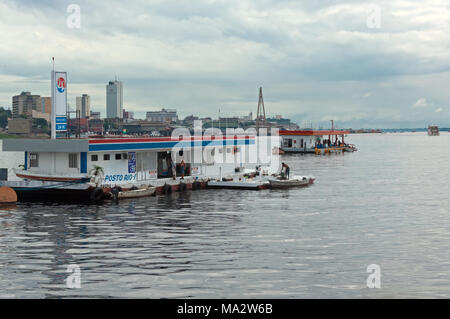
[(286, 169), (172, 168), (182, 167)]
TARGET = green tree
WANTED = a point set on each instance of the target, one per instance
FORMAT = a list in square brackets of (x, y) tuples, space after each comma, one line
[(4, 115)]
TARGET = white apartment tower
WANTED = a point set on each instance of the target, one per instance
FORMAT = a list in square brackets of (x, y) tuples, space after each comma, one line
[(114, 99)]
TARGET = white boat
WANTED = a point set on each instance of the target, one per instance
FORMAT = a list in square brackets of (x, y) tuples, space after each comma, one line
[(102, 163), (350, 148), (313, 141), (294, 181), (252, 184), (136, 193)]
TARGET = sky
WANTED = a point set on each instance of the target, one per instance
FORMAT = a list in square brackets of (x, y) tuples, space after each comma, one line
[(375, 64)]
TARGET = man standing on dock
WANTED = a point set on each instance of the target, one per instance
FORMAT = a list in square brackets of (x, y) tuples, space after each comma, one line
[(182, 168), (286, 169)]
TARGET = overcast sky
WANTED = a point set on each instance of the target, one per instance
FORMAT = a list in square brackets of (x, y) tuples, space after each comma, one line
[(316, 60)]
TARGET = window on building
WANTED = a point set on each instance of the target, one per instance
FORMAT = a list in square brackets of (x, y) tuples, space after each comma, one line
[(287, 142), (106, 157), (73, 160), (94, 158), (118, 156), (34, 160)]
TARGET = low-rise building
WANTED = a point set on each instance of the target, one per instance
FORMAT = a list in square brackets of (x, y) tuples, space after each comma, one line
[(95, 115), (165, 115), (20, 126), (41, 115), (96, 126)]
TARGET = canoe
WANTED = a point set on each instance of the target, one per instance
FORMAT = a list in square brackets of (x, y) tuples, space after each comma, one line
[(136, 193), (295, 181)]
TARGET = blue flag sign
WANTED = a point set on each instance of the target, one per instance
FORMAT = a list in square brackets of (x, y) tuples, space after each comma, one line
[(131, 162)]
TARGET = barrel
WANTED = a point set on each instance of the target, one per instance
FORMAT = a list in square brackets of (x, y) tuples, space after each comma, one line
[(7, 195)]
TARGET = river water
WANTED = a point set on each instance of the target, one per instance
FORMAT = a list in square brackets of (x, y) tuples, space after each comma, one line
[(387, 204)]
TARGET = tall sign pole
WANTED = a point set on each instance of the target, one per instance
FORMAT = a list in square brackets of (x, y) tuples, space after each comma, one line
[(59, 101), (53, 99)]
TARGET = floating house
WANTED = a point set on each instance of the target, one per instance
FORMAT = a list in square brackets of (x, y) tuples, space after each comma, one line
[(89, 168), (314, 141)]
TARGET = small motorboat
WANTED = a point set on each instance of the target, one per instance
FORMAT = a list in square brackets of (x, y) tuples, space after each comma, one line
[(136, 193), (350, 148), (294, 181), (245, 183)]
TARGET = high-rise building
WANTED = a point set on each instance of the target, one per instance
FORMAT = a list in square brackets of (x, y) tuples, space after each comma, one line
[(114, 99), (25, 103), (84, 105), (46, 106)]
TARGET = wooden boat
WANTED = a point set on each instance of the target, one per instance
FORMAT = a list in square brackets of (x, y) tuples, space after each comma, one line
[(295, 181), (81, 178), (136, 193)]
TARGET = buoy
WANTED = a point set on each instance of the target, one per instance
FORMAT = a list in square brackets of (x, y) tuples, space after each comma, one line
[(7, 195)]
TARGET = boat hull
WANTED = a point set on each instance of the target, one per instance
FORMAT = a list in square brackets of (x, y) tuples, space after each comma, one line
[(46, 191), (237, 185), (137, 193), (294, 182), (52, 178)]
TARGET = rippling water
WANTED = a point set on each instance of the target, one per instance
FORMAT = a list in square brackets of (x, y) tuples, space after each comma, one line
[(387, 204)]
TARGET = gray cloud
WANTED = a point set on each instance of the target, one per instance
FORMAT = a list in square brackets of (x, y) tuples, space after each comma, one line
[(315, 60)]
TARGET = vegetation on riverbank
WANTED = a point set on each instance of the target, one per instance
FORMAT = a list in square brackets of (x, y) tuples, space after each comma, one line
[(4, 115), (6, 135)]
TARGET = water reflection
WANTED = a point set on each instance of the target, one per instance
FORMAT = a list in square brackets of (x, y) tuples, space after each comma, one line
[(308, 242)]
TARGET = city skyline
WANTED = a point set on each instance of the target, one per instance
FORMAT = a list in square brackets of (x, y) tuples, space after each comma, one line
[(315, 62)]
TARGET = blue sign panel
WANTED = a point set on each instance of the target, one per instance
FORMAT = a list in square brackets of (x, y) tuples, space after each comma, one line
[(61, 127), (132, 162), (61, 123), (61, 119)]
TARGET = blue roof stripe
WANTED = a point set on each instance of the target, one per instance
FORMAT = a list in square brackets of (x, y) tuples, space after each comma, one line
[(161, 145)]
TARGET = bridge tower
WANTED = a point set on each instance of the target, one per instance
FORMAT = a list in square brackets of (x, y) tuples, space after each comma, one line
[(261, 113)]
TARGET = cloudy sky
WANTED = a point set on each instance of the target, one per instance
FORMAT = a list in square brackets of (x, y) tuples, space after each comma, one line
[(364, 64)]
